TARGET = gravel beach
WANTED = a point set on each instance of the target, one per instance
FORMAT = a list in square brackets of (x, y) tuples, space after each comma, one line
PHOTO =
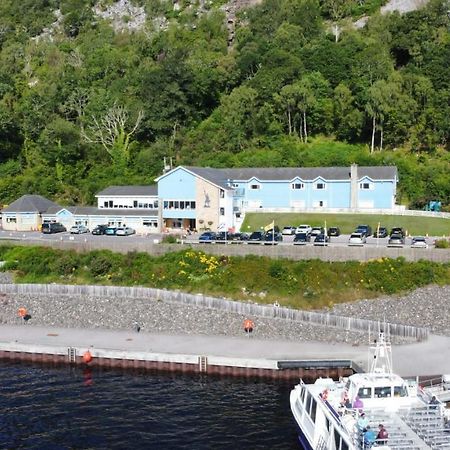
[(426, 307)]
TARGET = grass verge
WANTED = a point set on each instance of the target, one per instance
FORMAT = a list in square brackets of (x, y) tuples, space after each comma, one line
[(415, 225), (312, 284)]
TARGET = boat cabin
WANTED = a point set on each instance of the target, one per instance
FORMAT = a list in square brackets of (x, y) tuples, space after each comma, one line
[(378, 390)]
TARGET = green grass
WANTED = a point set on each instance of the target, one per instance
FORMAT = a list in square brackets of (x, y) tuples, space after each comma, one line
[(312, 284), (348, 222)]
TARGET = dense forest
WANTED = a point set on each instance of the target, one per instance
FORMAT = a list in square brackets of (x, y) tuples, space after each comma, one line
[(85, 104)]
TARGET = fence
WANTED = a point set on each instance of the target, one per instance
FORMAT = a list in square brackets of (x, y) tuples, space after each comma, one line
[(244, 308)]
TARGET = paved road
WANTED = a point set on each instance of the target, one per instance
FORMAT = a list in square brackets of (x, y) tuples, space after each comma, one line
[(431, 357)]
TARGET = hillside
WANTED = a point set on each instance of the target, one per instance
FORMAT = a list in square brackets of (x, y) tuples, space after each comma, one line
[(94, 93)]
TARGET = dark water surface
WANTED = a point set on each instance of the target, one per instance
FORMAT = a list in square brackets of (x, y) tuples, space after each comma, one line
[(74, 408)]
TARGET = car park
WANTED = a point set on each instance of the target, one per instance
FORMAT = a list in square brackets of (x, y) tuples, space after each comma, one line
[(256, 237), (322, 239), (99, 229), (303, 229), (419, 242), (334, 231), (396, 240), (315, 231), (380, 232), (125, 231), (364, 229), (288, 231), (79, 229), (357, 239), (302, 238), (111, 231), (207, 237), (53, 227)]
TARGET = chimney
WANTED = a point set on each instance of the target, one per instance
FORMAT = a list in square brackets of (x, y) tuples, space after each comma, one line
[(354, 186)]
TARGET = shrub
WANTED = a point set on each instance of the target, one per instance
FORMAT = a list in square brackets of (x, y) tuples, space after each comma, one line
[(169, 239), (442, 243)]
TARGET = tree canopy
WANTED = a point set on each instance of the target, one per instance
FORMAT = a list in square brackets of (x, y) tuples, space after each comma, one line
[(84, 105)]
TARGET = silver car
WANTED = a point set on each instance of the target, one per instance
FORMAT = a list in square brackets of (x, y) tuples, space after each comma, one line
[(124, 231), (79, 229), (357, 239), (419, 242)]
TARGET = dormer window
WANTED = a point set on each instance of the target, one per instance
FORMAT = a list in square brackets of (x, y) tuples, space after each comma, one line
[(255, 186), (298, 185), (320, 186), (365, 186)]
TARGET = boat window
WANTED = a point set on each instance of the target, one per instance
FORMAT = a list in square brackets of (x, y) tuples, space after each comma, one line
[(302, 395), (308, 402), (400, 391), (337, 439), (383, 391), (365, 392), (313, 410)]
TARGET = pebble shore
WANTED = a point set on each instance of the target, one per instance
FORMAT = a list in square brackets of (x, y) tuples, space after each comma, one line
[(426, 307)]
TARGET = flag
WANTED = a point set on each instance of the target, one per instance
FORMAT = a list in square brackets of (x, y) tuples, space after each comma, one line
[(271, 226)]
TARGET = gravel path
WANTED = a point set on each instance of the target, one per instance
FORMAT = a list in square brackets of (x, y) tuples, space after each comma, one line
[(427, 307)]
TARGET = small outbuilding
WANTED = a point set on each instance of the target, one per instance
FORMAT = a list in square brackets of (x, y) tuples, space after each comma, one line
[(25, 214)]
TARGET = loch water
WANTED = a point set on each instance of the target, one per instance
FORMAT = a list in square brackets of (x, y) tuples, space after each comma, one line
[(65, 407)]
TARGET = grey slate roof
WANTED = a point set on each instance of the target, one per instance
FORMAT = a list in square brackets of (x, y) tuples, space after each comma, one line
[(94, 211), (130, 190), (30, 204), (220, 177)]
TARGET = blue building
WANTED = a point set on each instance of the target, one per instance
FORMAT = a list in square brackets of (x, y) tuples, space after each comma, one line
[(195, 197)]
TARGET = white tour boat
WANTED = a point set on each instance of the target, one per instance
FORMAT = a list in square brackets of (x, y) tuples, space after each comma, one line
[(333, 415)]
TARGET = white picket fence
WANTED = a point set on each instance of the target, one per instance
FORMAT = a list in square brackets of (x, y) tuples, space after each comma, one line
[(222, 304)]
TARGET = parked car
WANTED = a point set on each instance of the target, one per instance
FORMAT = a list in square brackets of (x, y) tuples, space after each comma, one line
[(334, 231), (364, 229), (111, 231), (419, 242), (207, 236), (381, 232), (302, 238), (322, 239), (397, 230), (99, 229), (256, 237), (223, 236), (79, 229), (273, 237), (303, 229), (396, 240), (288, 230), (125, 231), (54, 227), (357, 239), (315, 231), (238, 237)]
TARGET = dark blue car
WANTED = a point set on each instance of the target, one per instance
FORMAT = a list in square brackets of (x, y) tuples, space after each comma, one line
[(207, 236)]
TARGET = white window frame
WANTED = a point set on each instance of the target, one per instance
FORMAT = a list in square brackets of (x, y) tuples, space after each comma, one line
[(321, 183), (255, 186), (298, 183), (366, 186)]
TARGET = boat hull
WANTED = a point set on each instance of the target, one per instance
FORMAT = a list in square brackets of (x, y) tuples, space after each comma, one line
[(305, 445)]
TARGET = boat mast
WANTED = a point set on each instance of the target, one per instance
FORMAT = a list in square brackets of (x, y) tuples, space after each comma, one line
[(381, 355)]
